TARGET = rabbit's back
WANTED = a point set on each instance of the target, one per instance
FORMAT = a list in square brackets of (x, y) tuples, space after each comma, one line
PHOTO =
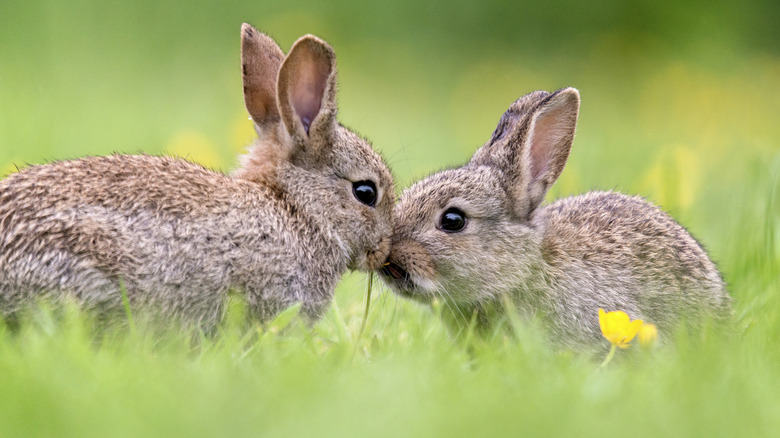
[(612, 251), (179, 236)]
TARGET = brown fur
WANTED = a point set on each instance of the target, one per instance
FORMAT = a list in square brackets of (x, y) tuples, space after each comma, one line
[(282, 229), (561, 262)]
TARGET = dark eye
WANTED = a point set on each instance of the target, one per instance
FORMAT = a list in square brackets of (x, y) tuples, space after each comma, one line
[(452, 220), (365, 192)]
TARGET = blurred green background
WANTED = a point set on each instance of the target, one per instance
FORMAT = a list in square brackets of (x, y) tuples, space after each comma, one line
[(680, 104), (680, 99)]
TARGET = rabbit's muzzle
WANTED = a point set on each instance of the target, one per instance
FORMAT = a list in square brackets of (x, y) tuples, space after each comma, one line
[(409, 270), (376, 256), (398, 279)]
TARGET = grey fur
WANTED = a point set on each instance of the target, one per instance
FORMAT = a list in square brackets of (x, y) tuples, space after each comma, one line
[(561, 262), (282, 229)]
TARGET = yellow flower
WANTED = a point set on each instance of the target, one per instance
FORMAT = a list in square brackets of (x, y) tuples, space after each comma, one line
[(648, 334), (618, 328)]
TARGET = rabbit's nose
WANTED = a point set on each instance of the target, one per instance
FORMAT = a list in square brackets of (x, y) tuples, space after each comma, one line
[(375, 256)]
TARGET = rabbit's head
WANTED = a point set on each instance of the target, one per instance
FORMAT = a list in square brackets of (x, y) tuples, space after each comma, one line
[(467, 235), (303, 154)]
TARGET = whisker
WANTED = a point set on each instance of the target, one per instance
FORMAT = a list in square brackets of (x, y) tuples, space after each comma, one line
[(382, 301), (447, 297), (460, 311)]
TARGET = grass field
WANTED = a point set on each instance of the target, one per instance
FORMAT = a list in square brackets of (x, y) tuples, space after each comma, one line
[(680, 104)]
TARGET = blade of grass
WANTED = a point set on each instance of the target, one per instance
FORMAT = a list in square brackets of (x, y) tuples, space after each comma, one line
[(369, 286)]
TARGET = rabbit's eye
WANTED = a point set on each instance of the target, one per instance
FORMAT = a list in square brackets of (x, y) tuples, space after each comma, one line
[(452, 220), (365, 192)]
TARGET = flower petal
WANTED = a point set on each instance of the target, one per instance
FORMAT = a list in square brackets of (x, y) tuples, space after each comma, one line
[(618, 328), (603, 322), (632, 329), (648, 334)]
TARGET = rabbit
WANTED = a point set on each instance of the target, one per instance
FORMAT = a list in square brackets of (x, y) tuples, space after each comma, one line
[(310, 200), (476, 236)]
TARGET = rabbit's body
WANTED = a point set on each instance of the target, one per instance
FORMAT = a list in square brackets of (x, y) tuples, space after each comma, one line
[(178, 235), (476, 235), (282, 229), (608, 250)]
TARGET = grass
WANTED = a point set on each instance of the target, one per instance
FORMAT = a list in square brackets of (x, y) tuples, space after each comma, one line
[(680, 105), (408, 376)]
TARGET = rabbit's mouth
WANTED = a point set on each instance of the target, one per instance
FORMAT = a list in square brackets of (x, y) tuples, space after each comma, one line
[(399, 280), (395, 271)]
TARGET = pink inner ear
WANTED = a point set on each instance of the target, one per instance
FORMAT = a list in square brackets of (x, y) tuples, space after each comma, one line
[(550, 140), (308, 88), (542, 144)]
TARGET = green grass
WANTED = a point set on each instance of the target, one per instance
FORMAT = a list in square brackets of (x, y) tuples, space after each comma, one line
[(406, 377), (680, 104)]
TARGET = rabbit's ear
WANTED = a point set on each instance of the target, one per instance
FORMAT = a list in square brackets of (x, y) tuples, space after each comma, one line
[(306, 87), (531, 145), (261, 59), (548, 142)]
